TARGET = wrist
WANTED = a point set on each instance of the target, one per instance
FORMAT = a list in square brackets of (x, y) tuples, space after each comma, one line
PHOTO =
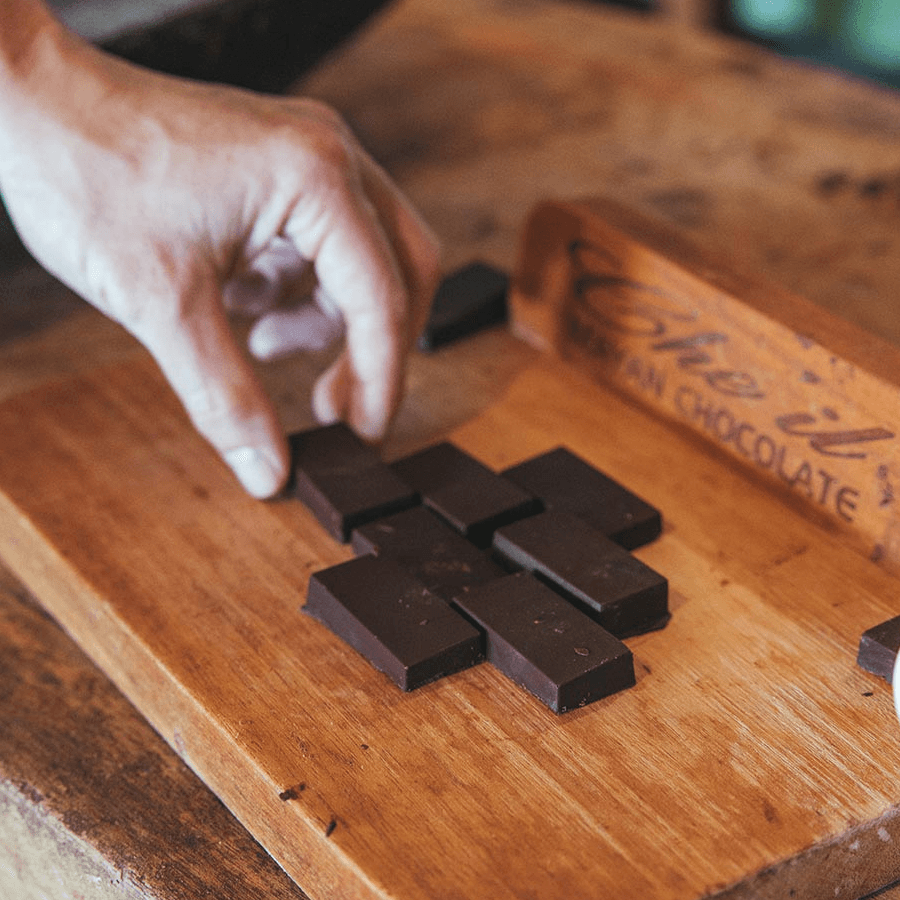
[(28, 33), (40, 78)]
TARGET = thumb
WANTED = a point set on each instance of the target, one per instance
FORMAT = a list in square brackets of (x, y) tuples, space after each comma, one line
[(196, 351)]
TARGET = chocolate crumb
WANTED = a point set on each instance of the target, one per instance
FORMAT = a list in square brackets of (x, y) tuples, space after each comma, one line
[(832, 182), (292, 793), (873, 187)]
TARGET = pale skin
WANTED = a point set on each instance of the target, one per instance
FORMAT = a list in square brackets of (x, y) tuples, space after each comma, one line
[(163, 202)]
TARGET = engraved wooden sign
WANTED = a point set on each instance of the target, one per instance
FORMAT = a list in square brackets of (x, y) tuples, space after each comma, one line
[(806, 401)]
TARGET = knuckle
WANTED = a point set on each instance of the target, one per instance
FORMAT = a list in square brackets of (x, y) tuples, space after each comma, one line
[(321, 139), (161, 306), (324, 113), (332, 157)]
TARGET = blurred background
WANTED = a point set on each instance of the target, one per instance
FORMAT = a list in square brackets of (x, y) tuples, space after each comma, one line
[(857, 36), (225, 39), (862, 36)]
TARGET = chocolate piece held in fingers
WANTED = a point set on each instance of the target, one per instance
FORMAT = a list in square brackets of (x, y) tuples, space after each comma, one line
[(343, 481)]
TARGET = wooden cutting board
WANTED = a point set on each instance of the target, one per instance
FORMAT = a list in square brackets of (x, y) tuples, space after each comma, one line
[(752, 759)]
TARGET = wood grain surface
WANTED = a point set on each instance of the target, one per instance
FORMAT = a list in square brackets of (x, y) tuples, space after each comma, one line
[(480, 109), (751, 743), (81, 777)]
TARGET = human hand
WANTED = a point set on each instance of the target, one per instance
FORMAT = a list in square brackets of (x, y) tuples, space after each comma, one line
[(158, 200)]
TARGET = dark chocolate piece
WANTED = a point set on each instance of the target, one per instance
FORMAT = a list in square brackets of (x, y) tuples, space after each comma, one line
[(468, 495), (614, 588), (343, 481), (545, 644), (468, 300), (389, 617), (565, 481), (443, 560), (878, 648)]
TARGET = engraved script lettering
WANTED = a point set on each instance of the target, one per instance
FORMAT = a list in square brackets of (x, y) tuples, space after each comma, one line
[(605, 303), (825, 441)]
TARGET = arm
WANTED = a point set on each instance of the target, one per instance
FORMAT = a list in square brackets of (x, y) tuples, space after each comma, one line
[(152, 197)]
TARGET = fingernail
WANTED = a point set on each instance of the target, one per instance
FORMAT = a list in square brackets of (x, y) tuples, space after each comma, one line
[(256, 469), (370, 429)]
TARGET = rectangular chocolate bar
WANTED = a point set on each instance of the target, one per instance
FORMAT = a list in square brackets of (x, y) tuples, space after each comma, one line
[(442, 559), (466, 301), (343, 481), (463, 492), (878, 648), (565, 481), (545, 644), (389, 617), (614, 588)]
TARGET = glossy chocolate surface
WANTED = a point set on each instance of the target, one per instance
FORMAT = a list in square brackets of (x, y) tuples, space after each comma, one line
[(545, 644), (463, 492), (613, 587), (878, 648), (388, 616), (442, 559), (343, 481), (467, 300), (566, 482)]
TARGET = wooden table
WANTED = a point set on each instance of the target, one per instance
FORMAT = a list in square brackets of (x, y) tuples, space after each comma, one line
[(479, 110)]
